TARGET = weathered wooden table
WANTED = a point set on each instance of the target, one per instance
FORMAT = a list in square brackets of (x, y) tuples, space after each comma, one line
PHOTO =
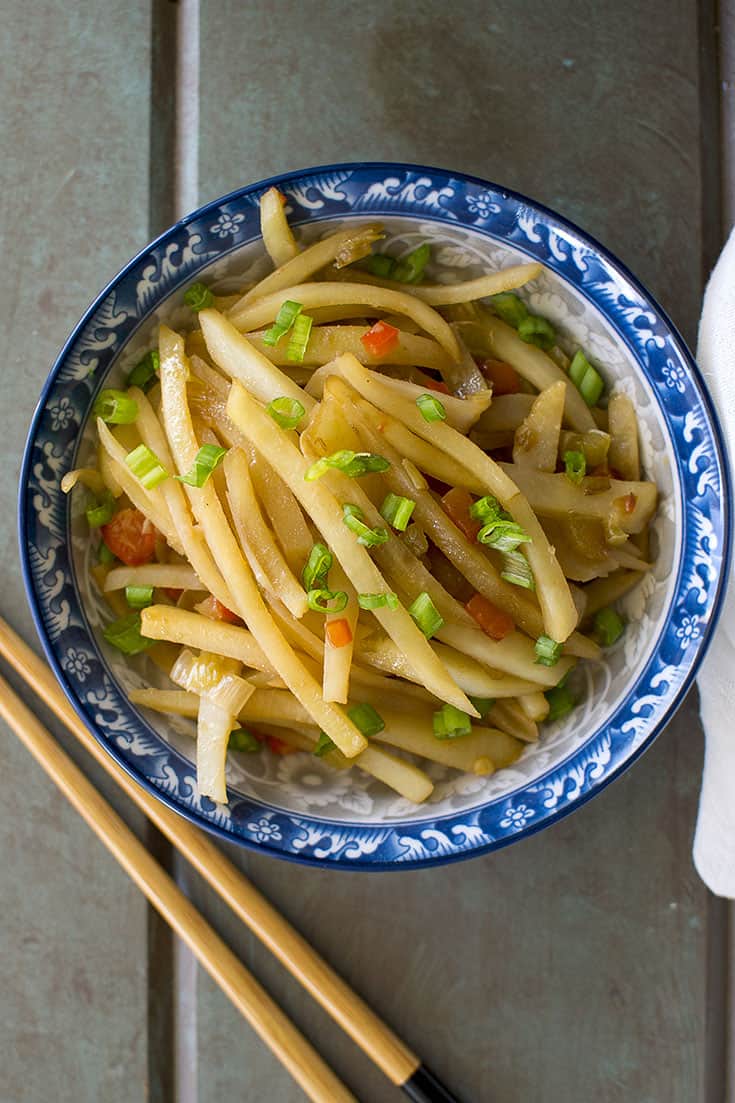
[(585, 963)]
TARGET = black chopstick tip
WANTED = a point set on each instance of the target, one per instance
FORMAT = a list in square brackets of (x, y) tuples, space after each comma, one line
[(424, 1087)]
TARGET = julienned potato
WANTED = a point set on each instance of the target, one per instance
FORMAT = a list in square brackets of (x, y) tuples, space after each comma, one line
[(364, 512)]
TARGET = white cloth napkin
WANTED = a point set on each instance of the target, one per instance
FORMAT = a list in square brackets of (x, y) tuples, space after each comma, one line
[(714, 840)]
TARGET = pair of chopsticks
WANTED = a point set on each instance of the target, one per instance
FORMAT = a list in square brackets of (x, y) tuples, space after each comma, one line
[(294, 1052)]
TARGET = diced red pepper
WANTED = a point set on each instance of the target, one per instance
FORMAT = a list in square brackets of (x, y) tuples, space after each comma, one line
[(381, 339), (338, 632), (495, 623), (504, 378), (438, 385), (279, 746), (131, 537), (215, 610), (421, 379), (456, 503)]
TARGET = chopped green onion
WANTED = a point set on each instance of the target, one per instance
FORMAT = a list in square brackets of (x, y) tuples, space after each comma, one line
[(377, 601), (487, 509), (381, 265), (299, 338), (482, 704), (426, 615), (101, 513), (353, 518), (353, 464), (561, 702), (548, 651), (609, 626), (431, 408), (198, 297), (586, 379), (537, 331), (323, 745), (575, 466), (146, 466), (105, 556), (319, 601), (139, 597), (286, 412), (517, 571), (124, 634), (366, 719), (504, 536), (397, 511), (243, 740), (317, 566), (508, 306), (206, 461), (285, 318), (115, 408), (451, 723), (145, 371), (411, 268)]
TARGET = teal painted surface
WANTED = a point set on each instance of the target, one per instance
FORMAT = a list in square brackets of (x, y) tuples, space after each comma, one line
[(74, 136)]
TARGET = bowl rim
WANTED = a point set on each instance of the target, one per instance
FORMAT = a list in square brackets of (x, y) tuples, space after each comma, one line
[(715, 601)]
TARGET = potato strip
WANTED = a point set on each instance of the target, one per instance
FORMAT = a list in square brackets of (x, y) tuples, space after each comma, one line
[(343, 246), (175, 576), (251, 527), (263, 311), (326, 512), (557, 606), (278, 237), (630, 505), (539, 369), (536, 443), (326, 342), (447, 294), (228, 557)]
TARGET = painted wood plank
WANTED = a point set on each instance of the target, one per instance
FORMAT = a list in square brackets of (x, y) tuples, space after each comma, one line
[(572, 966), (74, 85)]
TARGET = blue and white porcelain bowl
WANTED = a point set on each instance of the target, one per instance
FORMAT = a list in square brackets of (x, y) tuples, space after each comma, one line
[(296, 807)]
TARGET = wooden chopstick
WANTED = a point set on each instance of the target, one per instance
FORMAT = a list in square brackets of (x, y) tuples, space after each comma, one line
[(276, 1030), (373, 1036)]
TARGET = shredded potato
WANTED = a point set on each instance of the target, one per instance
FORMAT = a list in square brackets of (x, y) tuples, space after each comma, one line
[(346, 563)]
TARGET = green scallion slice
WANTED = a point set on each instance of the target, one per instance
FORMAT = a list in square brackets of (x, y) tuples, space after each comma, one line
[(353, 464), (517, 571), (323, 745), (397, 511), (575, 466), (504, 536), (353, 518), (285, 318), (286, 412), (299, 339), (198, 297), (608, 626), (139, 597), (145, 371), (115, 407), (380, 265), (509, 307), (146, 466), (482, 704), (586, 378), (548, 651), (487, 509), (537, 331), (366, 719), (206, 461), (378, 601), (425, 613), (243, 740), (451, 723), (561, 702), (431, 408), (317, 566), (411, 268), (325, 601), (102, 512), (124, 634)]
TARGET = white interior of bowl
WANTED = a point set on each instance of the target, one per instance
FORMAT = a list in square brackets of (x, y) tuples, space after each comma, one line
[(302, 783)]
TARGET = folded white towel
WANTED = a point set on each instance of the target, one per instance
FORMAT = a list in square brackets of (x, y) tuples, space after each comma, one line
[(714, 841)]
